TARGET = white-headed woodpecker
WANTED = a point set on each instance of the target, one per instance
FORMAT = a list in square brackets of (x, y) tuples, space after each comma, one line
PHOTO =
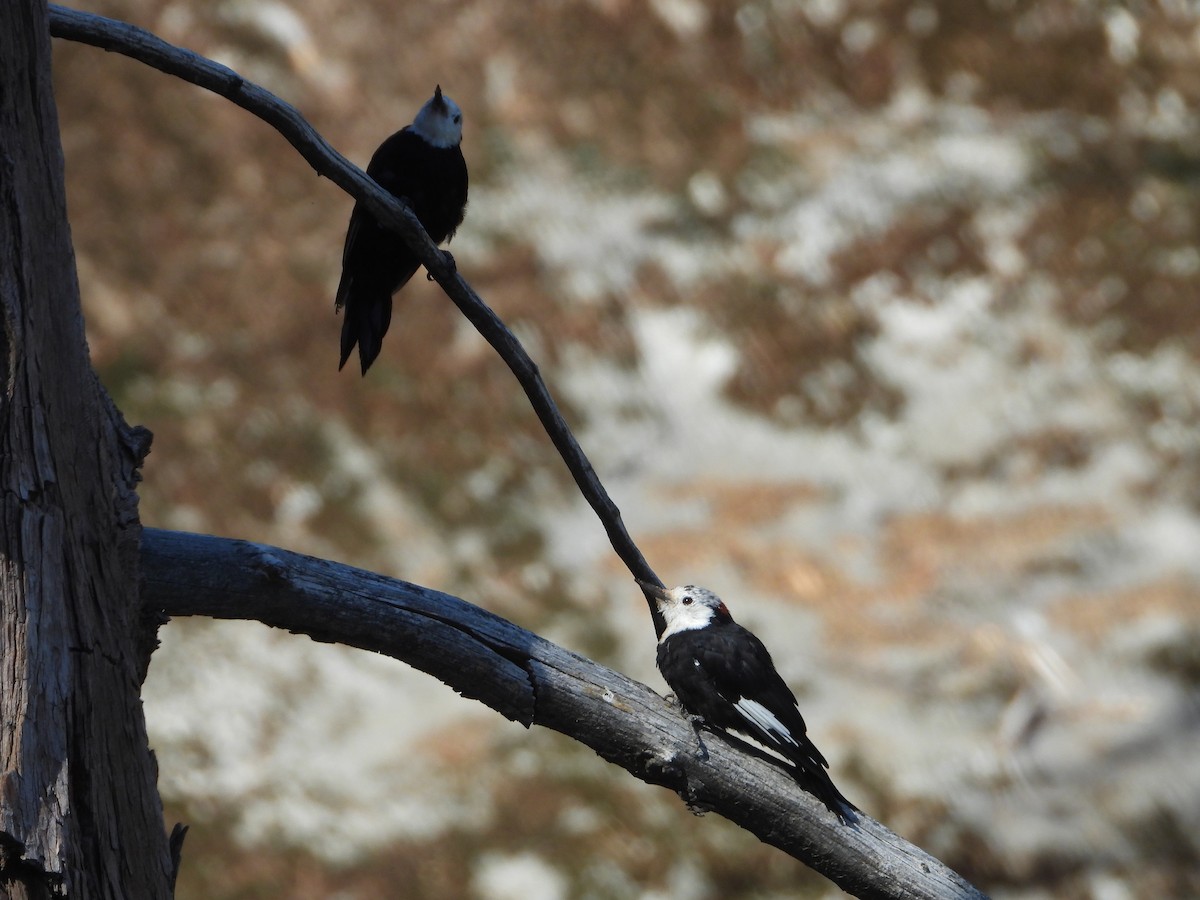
[(722, 673), (422, 164)]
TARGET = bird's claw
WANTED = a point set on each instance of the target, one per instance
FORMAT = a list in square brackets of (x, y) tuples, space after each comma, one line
[(448, 259), (697, 722)]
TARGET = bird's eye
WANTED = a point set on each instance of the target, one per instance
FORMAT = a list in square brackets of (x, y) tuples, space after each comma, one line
[(686, 601), (457, 119)]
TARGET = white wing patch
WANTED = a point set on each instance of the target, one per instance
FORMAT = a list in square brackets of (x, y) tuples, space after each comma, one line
[(759, 715)]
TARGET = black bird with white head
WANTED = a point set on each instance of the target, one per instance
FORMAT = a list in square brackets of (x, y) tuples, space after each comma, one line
[(722, 673), (423, 165)]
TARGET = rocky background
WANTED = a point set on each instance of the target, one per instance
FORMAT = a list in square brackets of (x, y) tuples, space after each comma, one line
[(878, 317)]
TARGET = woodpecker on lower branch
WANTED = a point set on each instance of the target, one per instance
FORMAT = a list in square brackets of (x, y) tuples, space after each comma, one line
[(722, 673)]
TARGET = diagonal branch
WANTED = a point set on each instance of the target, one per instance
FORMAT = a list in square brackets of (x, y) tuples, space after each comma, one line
[(532, 681), (139, 44)]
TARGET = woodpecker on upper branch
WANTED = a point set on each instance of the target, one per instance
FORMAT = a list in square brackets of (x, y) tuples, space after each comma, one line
[(422, 164), (722, 673)]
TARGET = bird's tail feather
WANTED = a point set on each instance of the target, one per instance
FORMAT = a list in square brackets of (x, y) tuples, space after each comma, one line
[(366, 322), (815, 779), (805, 764)]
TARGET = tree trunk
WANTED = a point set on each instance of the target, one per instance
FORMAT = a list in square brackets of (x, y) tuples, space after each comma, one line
[(80, 814)]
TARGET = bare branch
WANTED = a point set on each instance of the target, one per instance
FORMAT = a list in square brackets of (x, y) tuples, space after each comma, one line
[(530, 680), (139, 44)]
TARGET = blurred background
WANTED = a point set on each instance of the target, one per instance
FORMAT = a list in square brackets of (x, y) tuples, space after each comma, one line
[(878, 317)]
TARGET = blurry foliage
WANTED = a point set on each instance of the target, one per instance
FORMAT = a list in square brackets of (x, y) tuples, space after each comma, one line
[(1123, 242), (1031, 54), (1179, 657), (799, 357)]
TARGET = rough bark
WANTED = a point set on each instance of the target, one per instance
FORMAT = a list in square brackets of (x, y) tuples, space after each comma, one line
[(532, 681), (79, 811)]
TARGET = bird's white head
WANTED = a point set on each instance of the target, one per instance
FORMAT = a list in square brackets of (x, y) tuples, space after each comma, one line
[(687, 607), (440, 121)]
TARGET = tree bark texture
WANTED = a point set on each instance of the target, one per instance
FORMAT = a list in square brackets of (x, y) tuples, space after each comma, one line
[(535, 682), (80, 814)]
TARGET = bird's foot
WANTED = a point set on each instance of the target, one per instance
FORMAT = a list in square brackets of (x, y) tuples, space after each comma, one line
[(448, 259), (697, 722)]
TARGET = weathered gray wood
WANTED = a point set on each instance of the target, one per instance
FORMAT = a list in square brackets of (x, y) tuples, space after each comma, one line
[(77, 787), (535, 682)]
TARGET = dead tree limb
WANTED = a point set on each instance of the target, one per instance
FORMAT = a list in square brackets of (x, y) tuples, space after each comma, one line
[(535, 682)]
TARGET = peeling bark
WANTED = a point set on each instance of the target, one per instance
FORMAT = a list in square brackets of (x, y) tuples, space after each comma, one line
[(79, 810)]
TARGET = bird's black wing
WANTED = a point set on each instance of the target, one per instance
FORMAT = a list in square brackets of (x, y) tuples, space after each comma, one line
[(374, 265), (375, 262), (400, 168), (347, 279), (764, 707)]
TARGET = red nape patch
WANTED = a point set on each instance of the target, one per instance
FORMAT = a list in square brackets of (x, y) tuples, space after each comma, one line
[(723, 611)]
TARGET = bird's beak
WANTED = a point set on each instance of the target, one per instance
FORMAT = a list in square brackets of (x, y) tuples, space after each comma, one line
[(657, 591), (437, 96)]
